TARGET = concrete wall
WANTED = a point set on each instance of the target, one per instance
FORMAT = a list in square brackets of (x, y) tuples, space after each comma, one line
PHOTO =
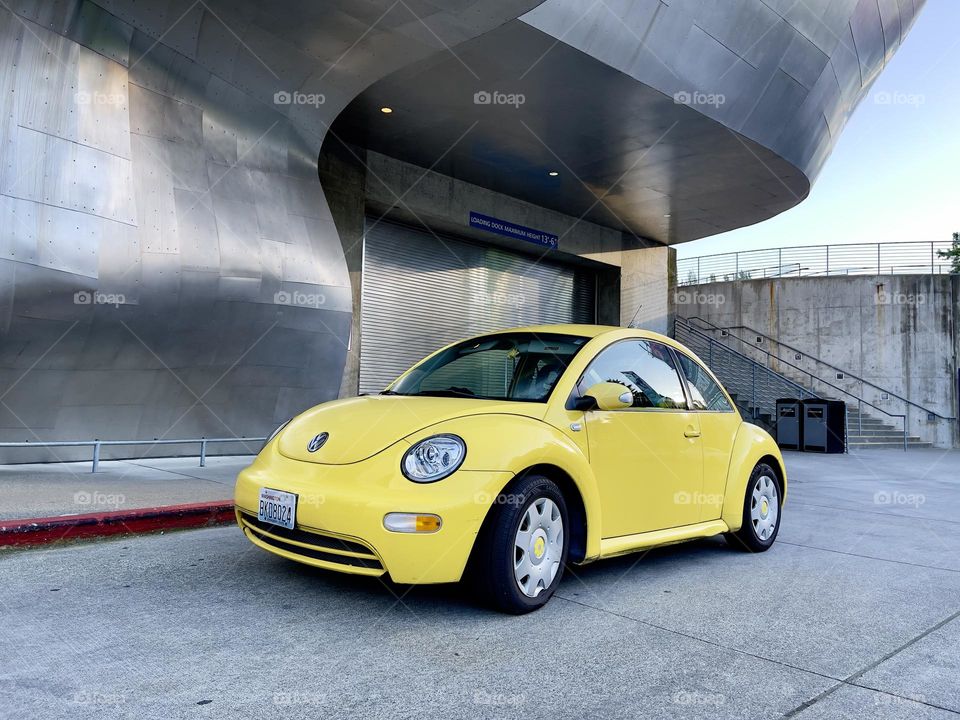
[(899, 332), (647, 284)]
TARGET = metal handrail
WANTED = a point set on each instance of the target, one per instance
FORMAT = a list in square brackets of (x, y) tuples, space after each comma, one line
[(890, 258), (97, 444), (749, 359), (860, 401), (815, 359)]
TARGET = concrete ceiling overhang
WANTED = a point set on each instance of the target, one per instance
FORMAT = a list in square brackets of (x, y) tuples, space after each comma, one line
[(627, 155), (770, 84)]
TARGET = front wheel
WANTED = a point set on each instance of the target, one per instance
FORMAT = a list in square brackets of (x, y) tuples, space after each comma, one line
[(761, 512), (521, 551)]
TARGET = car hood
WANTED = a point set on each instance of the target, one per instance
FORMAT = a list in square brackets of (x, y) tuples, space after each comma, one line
[(361, 427)]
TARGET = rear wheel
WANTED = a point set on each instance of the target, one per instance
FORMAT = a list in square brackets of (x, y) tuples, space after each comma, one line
[(520, 553), (761, 512)]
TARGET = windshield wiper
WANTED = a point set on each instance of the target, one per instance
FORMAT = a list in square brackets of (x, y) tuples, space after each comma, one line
[(449, 392)]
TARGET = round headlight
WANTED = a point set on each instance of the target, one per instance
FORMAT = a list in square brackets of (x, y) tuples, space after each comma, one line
[(434, 458)]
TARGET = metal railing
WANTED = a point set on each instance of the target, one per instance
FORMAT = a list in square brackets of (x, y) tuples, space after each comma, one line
[(755, 386), (894, 258), (98, 444), (711, 327), (763, 400)]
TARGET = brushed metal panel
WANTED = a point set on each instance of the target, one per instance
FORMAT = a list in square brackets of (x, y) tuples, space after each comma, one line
[(102, 32), (157, 228), (219, 138), (19, 231), (164, 118), (890, 25), (803, 60), (119, 268), (51, 170), (101, 101), (197, 228), (46, 91), (868, 36), (71, 240)]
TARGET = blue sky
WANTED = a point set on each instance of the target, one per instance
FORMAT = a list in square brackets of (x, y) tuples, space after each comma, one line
[(894, 174)]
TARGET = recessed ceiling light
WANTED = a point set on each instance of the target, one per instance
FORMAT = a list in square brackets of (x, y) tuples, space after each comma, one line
[(667, 215), (386, 110), (553, 173)]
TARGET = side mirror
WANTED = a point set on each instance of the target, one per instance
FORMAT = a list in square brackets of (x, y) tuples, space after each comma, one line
[(608, 396)]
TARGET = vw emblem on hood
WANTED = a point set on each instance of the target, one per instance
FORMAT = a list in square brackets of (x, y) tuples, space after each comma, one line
[(317, 442)]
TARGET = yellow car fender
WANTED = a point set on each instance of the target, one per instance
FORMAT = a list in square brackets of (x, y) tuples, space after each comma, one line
[(751, 445), (515, 443)]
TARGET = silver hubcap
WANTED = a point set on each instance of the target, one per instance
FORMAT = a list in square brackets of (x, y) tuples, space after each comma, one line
[(764, 507), (538, 547)]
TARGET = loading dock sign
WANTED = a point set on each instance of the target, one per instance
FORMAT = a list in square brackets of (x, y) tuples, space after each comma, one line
[(512, 230)]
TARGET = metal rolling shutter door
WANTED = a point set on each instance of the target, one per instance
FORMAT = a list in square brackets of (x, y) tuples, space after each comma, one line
[(421, 292)]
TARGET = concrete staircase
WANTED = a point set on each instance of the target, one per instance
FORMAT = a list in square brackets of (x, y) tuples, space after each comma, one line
[(870, 432), (755, 389)]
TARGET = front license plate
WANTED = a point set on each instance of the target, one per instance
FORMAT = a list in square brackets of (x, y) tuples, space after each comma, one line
[(277, 508)]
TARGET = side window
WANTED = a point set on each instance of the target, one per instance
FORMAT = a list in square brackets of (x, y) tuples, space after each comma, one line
[(645, 368), (704, 392)]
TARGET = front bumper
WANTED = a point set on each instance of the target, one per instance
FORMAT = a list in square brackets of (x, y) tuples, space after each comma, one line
[(340, 511)]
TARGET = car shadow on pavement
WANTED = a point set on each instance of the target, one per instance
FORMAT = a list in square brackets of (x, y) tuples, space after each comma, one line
[(387, 597)]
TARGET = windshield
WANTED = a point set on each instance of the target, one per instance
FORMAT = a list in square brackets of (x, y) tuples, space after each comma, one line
[(520, 366)]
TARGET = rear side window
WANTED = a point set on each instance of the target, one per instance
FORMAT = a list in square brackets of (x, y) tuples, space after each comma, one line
[(704, 392), (645, 368)]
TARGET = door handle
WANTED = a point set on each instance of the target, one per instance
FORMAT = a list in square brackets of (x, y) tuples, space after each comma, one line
[(691, 432)]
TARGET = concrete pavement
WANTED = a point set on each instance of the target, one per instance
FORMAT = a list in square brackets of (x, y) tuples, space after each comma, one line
[(854, 613), (50, 489)]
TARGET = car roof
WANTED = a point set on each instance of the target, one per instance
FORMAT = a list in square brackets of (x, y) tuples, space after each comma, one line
[(590, 331)]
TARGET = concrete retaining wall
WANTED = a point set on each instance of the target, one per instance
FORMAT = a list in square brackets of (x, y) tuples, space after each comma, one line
[(900, 332)]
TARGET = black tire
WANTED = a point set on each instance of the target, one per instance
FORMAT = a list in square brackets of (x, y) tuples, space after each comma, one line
[(491, 572), (747, 537)]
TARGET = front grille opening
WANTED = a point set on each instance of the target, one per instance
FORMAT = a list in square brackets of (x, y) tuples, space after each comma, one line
[(319, 544)]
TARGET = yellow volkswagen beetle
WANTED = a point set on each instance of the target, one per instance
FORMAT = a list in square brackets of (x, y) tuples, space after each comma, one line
[(504, 457)]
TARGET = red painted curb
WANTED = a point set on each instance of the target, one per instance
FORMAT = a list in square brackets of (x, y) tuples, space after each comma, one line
[(40, 531)]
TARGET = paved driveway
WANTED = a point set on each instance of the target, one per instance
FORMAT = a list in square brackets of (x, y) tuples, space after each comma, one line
[(854, 613)]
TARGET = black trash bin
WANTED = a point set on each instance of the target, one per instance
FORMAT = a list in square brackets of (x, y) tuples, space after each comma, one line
[(789, 425), (824, 426)]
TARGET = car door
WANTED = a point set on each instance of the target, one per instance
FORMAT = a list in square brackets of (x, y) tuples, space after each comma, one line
[(646, 458), (718, 430)]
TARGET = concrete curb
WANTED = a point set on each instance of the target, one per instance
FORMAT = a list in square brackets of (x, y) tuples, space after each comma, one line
[(41, 531)]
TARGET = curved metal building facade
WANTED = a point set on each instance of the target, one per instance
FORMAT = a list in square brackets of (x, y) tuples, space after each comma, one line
[(170, 265)]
